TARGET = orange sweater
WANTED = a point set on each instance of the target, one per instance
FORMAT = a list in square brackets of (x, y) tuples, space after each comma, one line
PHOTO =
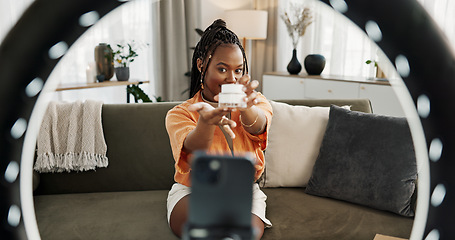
[(180, 121)]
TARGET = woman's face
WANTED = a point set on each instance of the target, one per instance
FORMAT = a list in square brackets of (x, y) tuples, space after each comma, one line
[(225, 67)]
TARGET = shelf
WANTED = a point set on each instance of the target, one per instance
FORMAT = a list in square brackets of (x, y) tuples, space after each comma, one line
[(379, 81), (112, 83)]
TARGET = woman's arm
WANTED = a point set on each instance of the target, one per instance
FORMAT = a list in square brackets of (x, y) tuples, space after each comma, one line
[(252, 118), (200, 138)]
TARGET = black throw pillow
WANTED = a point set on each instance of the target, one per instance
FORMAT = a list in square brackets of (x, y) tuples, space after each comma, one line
[(366, 159)]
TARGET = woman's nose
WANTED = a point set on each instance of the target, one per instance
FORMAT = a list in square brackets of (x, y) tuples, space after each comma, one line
[(231, 78)]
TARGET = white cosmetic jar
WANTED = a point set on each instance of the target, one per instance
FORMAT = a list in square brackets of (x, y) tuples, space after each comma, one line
[(232, 96)]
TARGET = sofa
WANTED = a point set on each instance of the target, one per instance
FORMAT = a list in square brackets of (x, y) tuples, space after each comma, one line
[(127, 199)]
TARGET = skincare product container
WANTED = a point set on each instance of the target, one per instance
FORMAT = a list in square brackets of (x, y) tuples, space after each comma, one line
[(232, 96)]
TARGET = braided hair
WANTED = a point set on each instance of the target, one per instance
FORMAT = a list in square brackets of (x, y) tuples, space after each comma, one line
[(215, 35)]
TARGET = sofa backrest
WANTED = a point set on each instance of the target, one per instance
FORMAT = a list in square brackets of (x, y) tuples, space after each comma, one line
[(137, 148), (361, 105), (139, 153)]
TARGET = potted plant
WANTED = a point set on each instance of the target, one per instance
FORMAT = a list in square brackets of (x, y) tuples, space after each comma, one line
[(123, 55), (378, 71)]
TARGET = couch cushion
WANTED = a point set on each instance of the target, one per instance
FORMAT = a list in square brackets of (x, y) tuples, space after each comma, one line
[(295, 137), (114, 215), (296, 215), (142, 215), (366, 159)]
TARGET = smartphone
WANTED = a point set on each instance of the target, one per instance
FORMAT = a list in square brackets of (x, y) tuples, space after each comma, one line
[(221, 197)]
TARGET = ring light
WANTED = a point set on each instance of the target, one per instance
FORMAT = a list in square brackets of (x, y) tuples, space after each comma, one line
[(426, 63), (27, 56), (402, 29)]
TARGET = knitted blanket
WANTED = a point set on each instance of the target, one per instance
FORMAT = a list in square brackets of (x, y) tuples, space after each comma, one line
[(71, 138)]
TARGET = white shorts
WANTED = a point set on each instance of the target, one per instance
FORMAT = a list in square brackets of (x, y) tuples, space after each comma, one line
[(178, 191)]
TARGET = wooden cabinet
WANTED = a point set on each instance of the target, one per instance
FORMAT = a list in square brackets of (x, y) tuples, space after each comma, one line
[(280, 86)]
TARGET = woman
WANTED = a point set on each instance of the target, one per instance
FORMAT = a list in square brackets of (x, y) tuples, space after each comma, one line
[(198, 124)]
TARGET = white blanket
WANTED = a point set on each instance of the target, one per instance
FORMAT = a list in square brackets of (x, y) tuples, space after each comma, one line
[(71, 138)]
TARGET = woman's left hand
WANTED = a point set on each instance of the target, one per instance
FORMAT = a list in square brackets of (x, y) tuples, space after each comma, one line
[(250, 86)]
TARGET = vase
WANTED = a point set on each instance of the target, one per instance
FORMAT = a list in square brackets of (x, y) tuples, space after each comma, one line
[(122, 73), (294, 66), (314, 64), (104, 62)]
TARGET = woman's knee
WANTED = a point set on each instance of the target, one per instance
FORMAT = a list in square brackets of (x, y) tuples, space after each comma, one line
[(179, 217)]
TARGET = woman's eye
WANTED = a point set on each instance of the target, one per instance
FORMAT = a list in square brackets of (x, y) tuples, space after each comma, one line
[(239, 70), (222, 70)]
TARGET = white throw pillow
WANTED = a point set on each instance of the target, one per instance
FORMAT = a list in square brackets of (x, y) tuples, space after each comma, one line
[(294, 140)]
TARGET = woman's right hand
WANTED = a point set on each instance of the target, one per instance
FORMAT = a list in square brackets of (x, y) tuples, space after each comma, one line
[(214, 116)]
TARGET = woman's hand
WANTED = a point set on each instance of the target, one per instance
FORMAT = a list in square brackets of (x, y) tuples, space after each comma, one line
[(250, 86), (209, 115), (252, 118)]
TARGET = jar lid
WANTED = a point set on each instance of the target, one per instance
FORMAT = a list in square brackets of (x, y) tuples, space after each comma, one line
[(232, 88)]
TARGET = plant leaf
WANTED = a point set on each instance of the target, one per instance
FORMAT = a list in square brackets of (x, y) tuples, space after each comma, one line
[(138, 93)]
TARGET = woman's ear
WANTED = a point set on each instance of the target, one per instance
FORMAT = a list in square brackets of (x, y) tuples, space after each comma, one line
[(200, 64)]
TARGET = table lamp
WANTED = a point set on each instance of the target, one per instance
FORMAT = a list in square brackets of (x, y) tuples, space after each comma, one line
[(247, 24)]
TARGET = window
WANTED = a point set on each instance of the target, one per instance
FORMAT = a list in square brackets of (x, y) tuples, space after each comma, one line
[(344, 45)]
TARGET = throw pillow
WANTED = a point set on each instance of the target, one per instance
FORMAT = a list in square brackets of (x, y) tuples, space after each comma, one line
[(366, 159), (295, 137)]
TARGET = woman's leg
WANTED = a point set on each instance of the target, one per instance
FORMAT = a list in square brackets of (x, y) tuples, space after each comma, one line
[(179, 216), (258, 226)]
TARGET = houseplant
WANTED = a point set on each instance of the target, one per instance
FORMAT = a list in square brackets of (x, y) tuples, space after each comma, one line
[(378, 71), (123, 55), (139, 94), (296, 22)]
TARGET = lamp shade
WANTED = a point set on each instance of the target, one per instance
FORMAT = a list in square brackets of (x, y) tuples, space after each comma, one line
[(249, 24)]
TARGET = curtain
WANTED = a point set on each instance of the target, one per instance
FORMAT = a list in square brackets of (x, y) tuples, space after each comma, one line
[(174, 36), (264, 52)]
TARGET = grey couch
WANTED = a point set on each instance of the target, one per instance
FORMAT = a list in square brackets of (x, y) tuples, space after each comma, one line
[(127, 200)]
